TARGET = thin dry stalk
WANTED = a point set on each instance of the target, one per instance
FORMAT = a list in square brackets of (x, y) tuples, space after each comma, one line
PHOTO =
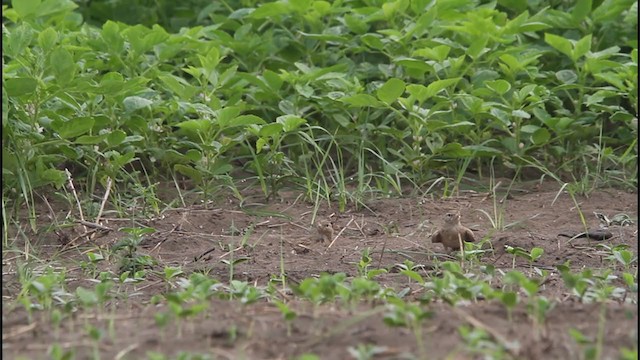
[(340, 233)]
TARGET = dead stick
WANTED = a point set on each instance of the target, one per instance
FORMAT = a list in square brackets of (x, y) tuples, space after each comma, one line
[(104, 199), (340, 233), (491, 331), (95, 225), (75, 195)]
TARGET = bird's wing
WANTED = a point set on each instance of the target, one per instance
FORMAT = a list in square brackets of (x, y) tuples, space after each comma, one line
[(437, 237), (467, 236)]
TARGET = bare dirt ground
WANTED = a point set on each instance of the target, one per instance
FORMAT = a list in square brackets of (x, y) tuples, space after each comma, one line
[(394, 230)]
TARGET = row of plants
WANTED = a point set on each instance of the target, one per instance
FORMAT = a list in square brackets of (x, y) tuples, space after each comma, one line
[(375, 96), (45, 295)]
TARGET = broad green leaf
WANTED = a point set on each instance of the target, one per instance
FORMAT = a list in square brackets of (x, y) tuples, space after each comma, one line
[(271, 130), (226, 115), (270, 10), (391, 90), (290, 122), (356, 24), (86, 297), (518, 6), (321, 7), (413, 64), (273, 80), (119, 161), (567, 76), (62, 65), (372, 41), (304, 90), (540, 137), (536, 252), (500, 86), (54, 176), (439, 85), (260, 144), (73, 128), (581, 10), (178, 86), (582, 47), (90, 139), (51, 7), (612, 78), (189, 172), (47, 38), (559, 43), (453, 149), (325, 37), (18, 39), (478, 48), (361, 100), (244, 120), (116, 137), (521, 114), (112, 38), (195, 126), (20, 86), (133, 103), (437, 53), (24, 8)]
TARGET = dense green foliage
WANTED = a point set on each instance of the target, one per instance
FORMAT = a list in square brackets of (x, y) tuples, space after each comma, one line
[(377, 94)]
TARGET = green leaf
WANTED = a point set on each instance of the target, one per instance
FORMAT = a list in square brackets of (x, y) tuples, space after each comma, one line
[(536, 252), (582, 47), (521, 114), (269, 10), (18, 39), (559, 43), (499, 86), (290, 122), (567, 76), (116, 137), (509, 298), (540, 136), (133, 103), (361, 100), (20, 86), (112, 38), (90, 139), (47, 38), (273, 80), (438, 53), (244, 120), (54, 176), (477, 48), (86, 297), (63, 65), (195, 126), (413, 275), (271, 130), (178, 86), (24, 8), (439, 85), (189, 172), (391, 90), (581, 10), (73, 128)]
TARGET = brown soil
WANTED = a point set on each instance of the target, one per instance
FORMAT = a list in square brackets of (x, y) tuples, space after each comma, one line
[(394, 230)]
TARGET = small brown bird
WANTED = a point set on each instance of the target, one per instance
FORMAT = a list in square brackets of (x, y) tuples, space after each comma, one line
[(452, 232), (324, 231)]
